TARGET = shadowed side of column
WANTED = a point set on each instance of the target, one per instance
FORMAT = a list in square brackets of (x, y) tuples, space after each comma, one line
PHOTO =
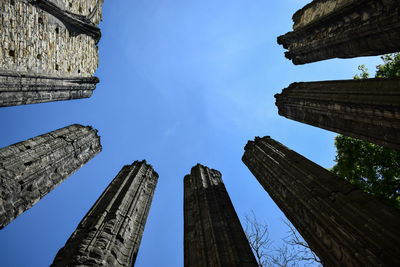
[(367, 109), (213, 235), (343, 225)]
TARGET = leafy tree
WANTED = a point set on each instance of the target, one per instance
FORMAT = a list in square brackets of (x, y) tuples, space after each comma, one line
[(373, 168), (390, 68), (364, 73)]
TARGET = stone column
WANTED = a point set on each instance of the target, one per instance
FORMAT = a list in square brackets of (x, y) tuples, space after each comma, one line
[(326, 29), (48, 50), (213, 235), (32, 168), (21, 89), (367, 109), (343, 225), (110, 233)]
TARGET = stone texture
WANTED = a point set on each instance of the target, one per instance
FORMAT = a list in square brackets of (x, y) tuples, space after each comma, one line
[(326, 29), (21, 89), (51, 38), (32, 168), (110, 233), (367, 109), (36, 42), (213, 235), (91, 9), (75, 23), (343, 225)]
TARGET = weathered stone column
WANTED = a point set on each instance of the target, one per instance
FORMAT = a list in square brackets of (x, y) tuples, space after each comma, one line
[(21, 89), (343, 225), (367, 109), (213, 235), (48, 50), (326, 29), (110, 233), (32, 168)]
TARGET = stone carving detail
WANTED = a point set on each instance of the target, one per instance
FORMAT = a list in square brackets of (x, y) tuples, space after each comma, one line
[(75, 23), (326, 29), (49, 39), (32, 168), (367, 109), (343, 225), (91, 9), (110, 233), (213, 235), (20, 89)]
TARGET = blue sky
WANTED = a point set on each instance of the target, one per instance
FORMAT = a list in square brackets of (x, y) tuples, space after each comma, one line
[(181, 82)]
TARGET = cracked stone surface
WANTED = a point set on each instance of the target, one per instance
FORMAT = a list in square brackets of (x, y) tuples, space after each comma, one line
[(367, 109), (325, 29), (213, 235), (343, 225), (110, 233), (32, 168)]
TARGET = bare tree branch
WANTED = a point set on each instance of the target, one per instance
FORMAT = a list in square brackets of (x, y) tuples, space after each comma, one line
[(258, 237), (295, 240), (293, 251)]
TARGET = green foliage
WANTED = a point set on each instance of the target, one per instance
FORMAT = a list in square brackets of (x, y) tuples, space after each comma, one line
[(364, 73), (373, 168), (390, 68)]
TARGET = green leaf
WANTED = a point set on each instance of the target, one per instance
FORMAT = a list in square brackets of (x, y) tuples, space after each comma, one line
[(373, 168)]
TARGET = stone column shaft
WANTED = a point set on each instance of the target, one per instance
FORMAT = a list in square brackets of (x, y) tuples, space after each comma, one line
[(213, 235), (32, 168), (21, 89), (343, 225), (325, 29), (110, 233), (367, 109)]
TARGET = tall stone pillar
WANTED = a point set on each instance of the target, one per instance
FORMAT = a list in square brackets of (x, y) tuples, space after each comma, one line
[(48, 50), (343, 225), (367, 109), (110, 233), (326, 29), (21, 89), (32, 168), (213, 235)]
